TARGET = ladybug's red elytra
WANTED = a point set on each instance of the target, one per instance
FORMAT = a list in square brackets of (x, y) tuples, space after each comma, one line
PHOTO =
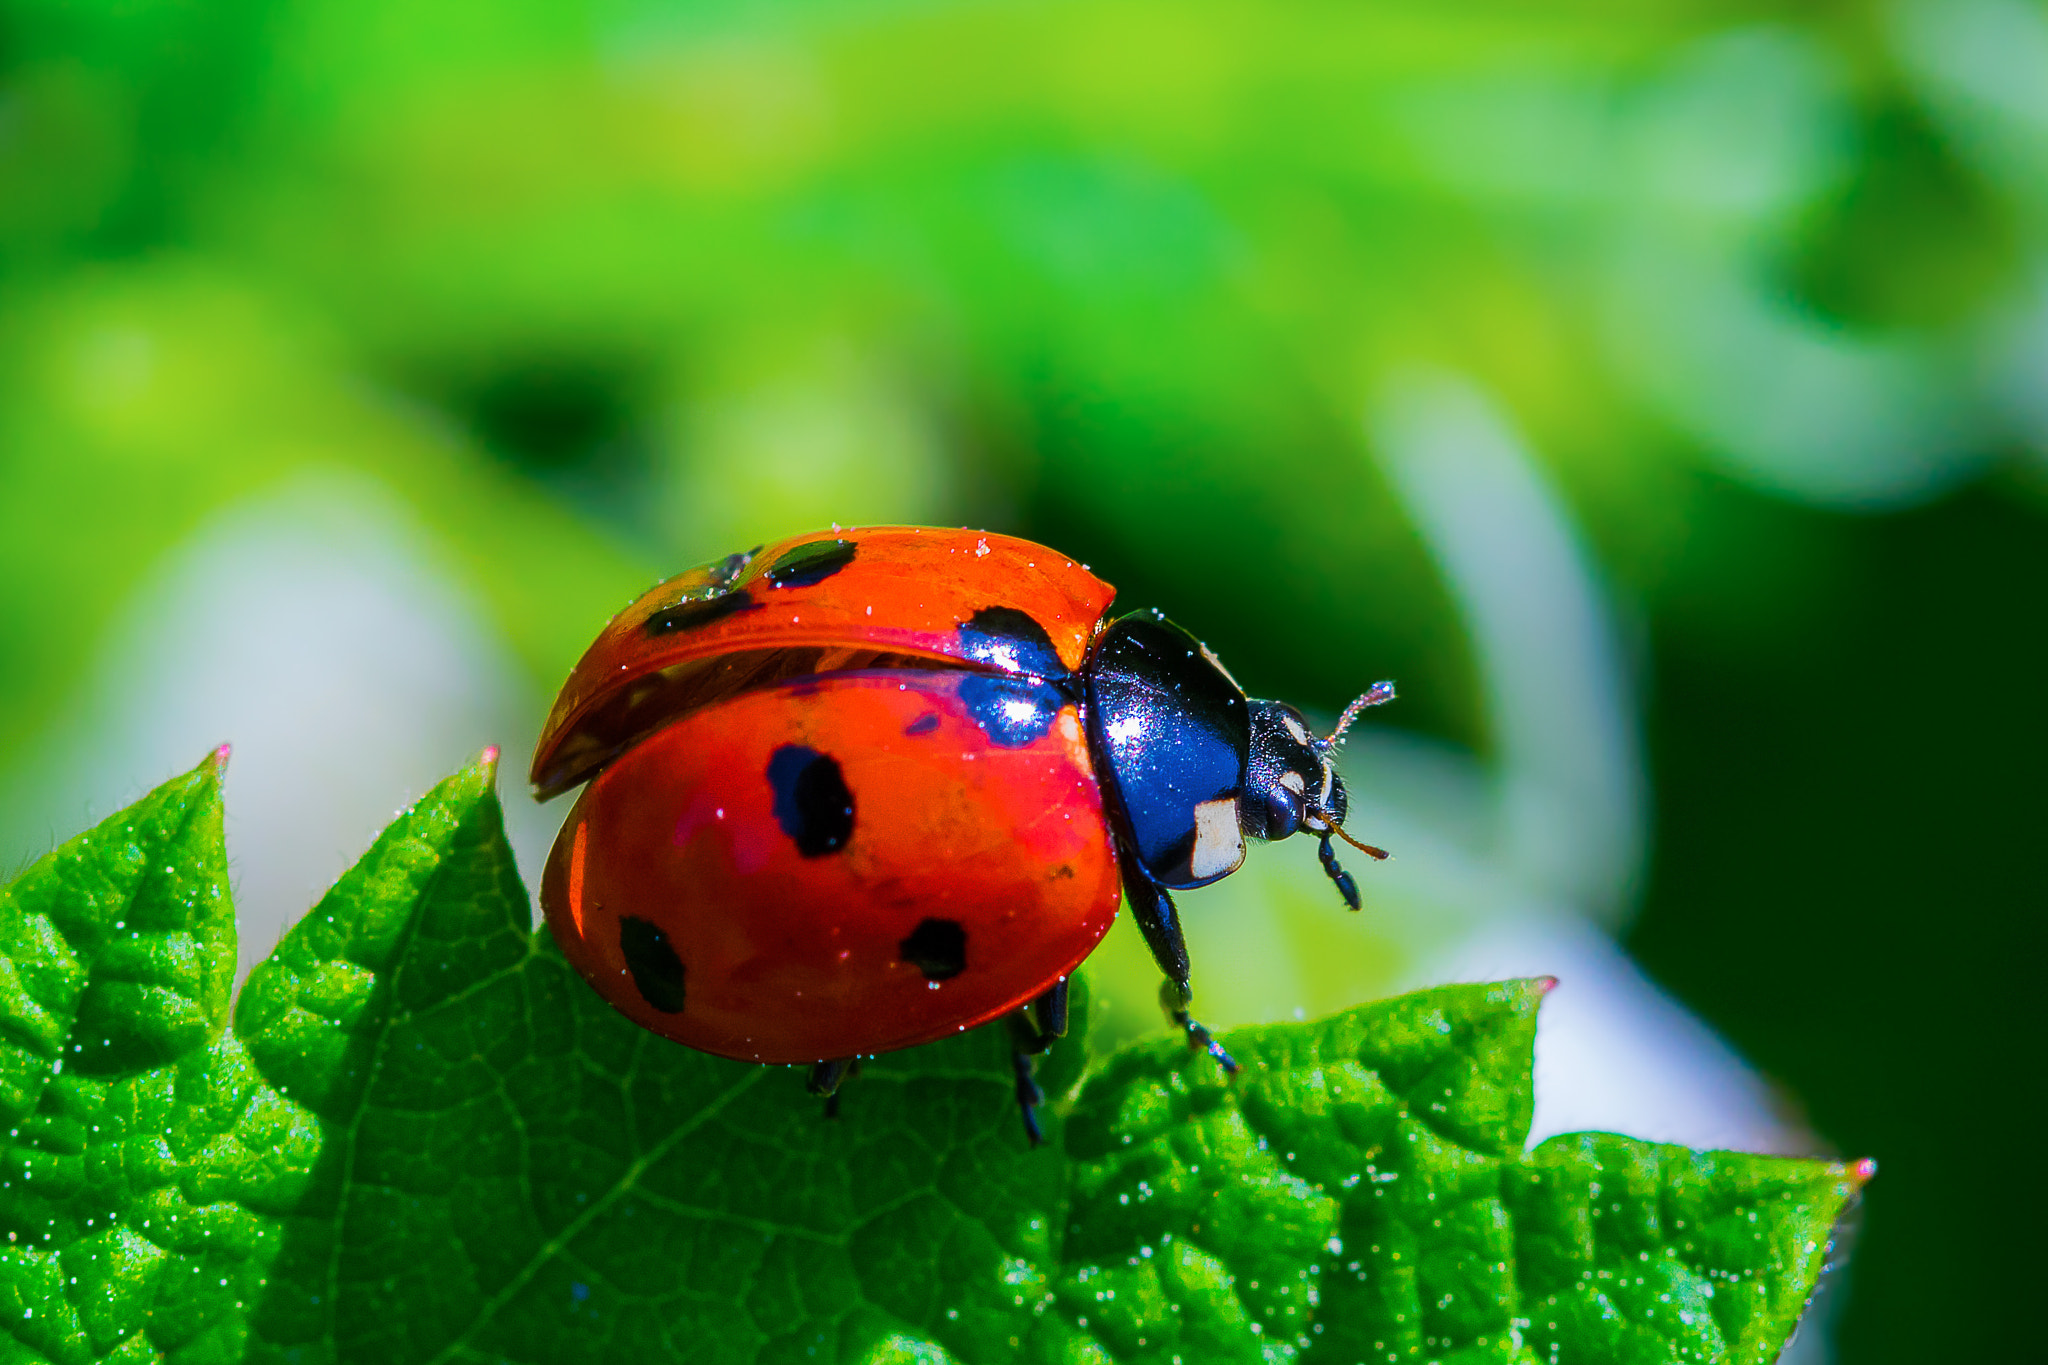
[(866, 788)]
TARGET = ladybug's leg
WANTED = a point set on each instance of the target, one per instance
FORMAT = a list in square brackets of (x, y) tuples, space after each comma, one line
[(1034, 1029), (1160, 923), (825, 1078), (1029, 1097), (1157, 920), (1347, 886), (1027, 1040), (1050, 1011), (1174, 998)]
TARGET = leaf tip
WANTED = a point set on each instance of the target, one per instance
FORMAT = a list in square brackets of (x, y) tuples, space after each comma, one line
[(1544, 985), (1862, 1172), (488, 759), (219, 759)]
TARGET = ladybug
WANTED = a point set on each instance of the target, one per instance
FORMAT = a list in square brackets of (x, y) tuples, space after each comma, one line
[(864, 789)]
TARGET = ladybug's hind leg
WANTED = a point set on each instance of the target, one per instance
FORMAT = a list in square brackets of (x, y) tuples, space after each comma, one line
[(1159, 921)]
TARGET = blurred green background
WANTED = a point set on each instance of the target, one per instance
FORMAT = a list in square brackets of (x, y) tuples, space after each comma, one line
[(358, 359)]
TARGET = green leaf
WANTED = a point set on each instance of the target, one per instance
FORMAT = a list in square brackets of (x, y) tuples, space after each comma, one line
[(1360, 1192), (428, 1141), (145, 1161), (1635, 1251), (1341, 1196)]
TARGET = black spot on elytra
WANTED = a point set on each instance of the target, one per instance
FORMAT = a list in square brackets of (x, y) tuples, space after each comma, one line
[(698, 611), (936, 947), (726, 571), (656, 969), (812, 803), (923, 725), (1011, 640), (812, 563), (1012, 712)]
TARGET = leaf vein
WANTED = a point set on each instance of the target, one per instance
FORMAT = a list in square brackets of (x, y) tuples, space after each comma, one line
[(618, 1191)]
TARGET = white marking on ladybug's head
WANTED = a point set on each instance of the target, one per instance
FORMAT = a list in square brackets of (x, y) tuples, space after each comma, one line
[(1296, 728), (1219, 841), (1294, 782)]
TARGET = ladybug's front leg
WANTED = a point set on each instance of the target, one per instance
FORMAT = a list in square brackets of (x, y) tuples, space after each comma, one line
[(1160, 923)]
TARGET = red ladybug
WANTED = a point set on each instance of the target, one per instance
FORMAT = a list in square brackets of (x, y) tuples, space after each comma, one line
[(864, 789)]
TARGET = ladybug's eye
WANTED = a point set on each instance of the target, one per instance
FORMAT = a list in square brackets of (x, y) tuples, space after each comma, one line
[(1273, 813)]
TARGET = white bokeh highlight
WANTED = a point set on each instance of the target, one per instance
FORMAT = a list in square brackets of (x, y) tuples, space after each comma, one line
[(1544, 894), (309, 628), (1569, 782)]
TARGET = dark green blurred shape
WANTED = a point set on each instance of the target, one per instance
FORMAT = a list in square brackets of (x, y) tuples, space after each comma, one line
[(1848, 883), (607, 288)]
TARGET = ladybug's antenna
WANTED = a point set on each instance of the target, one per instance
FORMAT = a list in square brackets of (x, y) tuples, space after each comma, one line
[(1379, 694), (1324, 823)]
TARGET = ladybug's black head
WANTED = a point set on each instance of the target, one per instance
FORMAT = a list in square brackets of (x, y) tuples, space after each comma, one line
[(1291, 782), (1288, 778)]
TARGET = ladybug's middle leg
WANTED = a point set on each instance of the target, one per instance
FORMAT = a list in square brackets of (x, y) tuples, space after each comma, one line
[(1026, 1042), (1033, 1029), (1160, 923)]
